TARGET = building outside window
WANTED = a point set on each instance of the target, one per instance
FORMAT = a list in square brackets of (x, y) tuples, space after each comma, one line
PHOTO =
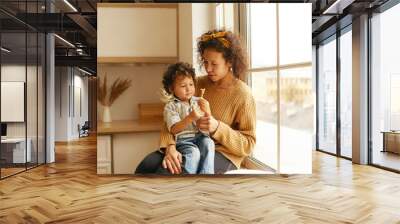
[(385, 89), (327, 96), (346, 93), (283, 92)]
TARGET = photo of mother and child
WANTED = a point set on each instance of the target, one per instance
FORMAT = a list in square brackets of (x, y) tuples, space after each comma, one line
[(210, 121)]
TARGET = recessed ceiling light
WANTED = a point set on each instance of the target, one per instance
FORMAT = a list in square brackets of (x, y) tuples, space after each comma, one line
[(5, 50), (70, 5), (337, 7), (64, 40), (84, 71)]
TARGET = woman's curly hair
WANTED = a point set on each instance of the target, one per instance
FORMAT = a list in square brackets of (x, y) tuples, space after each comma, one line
[(175, 70), (229, 44)]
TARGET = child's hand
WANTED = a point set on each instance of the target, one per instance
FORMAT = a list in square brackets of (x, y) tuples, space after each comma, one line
[(195, 114), (204, 105)]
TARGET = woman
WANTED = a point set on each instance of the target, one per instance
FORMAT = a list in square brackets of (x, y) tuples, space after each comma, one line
[(232, 121)]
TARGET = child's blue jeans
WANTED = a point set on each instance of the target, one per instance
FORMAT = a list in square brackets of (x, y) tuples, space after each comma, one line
[(198, 153)]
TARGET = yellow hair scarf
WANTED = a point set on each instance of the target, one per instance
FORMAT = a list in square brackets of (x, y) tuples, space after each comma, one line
[(219, 36)]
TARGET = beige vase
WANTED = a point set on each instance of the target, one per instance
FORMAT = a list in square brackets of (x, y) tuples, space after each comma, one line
[(107, 114)]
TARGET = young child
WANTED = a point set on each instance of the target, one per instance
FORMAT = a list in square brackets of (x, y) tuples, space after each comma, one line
[(180, 114)]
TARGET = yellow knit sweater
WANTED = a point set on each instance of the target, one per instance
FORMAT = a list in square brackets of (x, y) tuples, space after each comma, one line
[(235, 108)]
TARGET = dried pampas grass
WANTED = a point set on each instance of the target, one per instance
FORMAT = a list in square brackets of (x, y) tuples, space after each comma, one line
[(102, 91), (117, 88)]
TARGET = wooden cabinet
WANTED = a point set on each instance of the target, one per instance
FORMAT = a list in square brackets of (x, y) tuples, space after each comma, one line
[(104, 154), (122, 145), (391, 141), (121, 153), (132, 32), (131, 148)]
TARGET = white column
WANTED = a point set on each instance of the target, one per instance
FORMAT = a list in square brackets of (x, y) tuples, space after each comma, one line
[(50, 98)]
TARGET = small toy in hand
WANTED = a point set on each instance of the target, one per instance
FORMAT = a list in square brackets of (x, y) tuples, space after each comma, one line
[(202, 92), (197, 109)]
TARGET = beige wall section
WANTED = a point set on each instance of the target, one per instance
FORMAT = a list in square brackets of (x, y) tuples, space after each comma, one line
[(122, 32), (146, 83)]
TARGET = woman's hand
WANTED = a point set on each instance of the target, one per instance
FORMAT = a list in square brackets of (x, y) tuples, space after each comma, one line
[(207, 123), (172, 160)]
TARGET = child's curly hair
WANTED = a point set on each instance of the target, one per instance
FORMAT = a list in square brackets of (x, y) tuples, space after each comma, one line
[(175, 70), (229, 44)]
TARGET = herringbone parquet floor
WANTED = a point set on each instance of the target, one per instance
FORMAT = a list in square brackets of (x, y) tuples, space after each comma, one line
[(69, 191)]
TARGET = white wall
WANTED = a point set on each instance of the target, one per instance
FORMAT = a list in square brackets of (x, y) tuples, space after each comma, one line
[(61, 103), (81, 103), (17, 73), (13, 73), (67, 115), (203, 20), (85, 99), (229, 16), (186, 47), (194, 20)]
